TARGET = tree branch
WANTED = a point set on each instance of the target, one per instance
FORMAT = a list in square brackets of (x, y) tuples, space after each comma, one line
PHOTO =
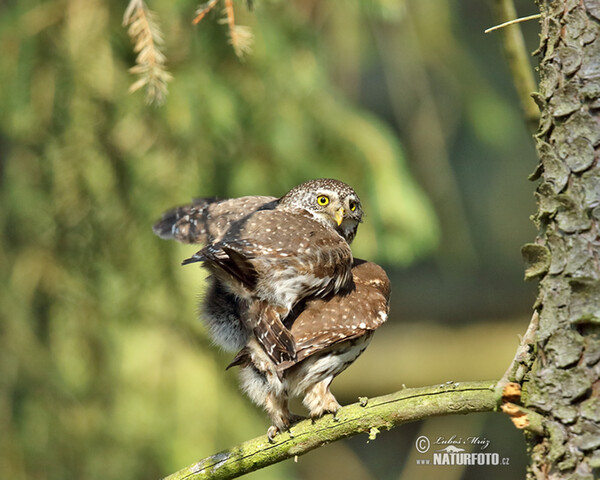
[(367, 416), (518, 61)]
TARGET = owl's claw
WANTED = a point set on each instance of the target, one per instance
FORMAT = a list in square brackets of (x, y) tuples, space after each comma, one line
[(271, 432), (291, 419)]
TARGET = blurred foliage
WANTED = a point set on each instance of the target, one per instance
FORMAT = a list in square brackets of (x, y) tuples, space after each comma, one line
[(104, 370)]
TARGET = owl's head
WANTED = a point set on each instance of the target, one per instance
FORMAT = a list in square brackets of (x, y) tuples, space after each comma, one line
[(329, 201)]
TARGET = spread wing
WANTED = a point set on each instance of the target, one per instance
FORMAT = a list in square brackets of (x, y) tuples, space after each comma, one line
[(207, 220), (281, 257)]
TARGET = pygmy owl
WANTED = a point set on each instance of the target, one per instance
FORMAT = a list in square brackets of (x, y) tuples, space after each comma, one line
[(271, 254)]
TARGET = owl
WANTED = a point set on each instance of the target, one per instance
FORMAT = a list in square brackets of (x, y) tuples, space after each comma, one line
[(330, 333), (270, 254)]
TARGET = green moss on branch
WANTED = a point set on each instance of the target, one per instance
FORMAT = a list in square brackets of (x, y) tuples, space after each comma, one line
[(380, 413)]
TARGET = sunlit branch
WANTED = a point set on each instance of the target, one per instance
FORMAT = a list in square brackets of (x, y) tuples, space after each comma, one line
[(368, 416)]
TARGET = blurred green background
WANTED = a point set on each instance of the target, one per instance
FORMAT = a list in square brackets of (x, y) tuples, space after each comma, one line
[(105, 371)]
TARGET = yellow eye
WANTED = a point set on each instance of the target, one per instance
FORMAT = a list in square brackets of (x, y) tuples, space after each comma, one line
[(352, 206), (323, 200)]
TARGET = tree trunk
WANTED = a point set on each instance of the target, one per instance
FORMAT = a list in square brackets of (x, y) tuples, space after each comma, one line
[(563, 385)]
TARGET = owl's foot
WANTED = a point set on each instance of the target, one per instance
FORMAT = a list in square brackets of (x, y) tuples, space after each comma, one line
[(284, 425), (319, 400)]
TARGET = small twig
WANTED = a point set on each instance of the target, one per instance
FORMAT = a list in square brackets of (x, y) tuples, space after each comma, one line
[(518, 61), (512, 22), (240, 37), (524, 418), (524, 356), (382, 413), (229, 14), (202, 10)]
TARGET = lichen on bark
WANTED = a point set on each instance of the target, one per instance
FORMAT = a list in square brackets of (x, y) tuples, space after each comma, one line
[(564, 382)]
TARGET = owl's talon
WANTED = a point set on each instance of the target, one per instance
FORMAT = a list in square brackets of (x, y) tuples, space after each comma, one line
[(271, 433)]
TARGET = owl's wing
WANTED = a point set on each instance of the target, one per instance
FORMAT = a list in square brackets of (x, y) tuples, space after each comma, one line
[(207, 220), (276, 259), (285, 256), (235, 258), (242, 359), (232, 257), (323, 323), (185, 223)]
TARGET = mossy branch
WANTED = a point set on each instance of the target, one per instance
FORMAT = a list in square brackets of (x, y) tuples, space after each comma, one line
[(367, 416)]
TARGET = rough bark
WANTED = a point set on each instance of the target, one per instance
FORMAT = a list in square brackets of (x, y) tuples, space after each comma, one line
[(563, 385)]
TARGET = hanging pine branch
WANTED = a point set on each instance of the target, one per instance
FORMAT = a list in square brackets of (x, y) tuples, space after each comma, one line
[(240, 37), (144, 31), (150, 61)]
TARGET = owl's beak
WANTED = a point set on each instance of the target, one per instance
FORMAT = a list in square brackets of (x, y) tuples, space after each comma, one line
[(339, 215)]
